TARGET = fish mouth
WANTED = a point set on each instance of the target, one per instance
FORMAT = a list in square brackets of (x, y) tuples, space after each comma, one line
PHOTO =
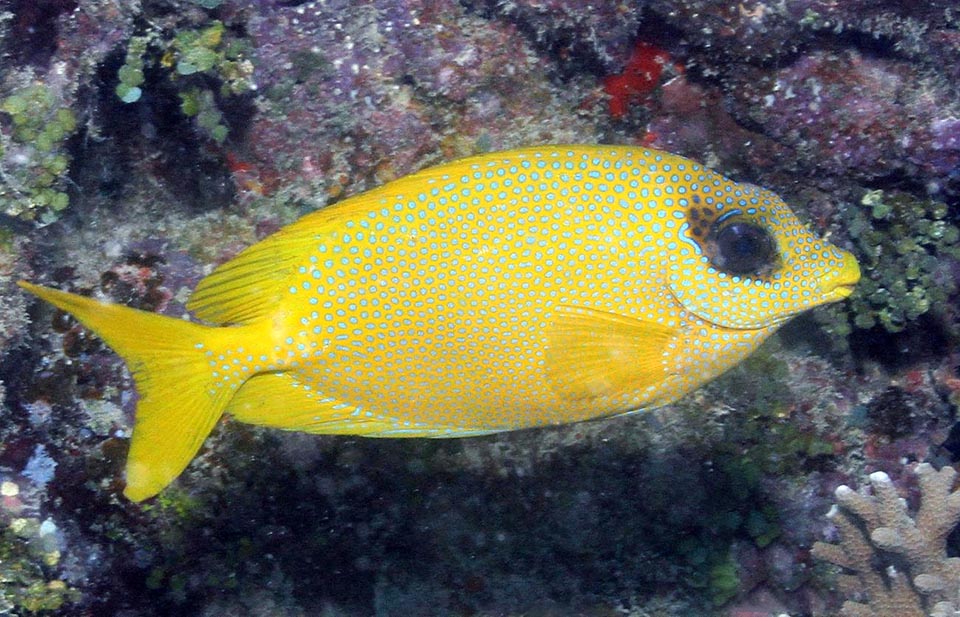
[(840, 292), (843, 284)]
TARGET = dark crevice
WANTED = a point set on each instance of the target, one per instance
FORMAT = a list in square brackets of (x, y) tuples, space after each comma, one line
[(34, 31)]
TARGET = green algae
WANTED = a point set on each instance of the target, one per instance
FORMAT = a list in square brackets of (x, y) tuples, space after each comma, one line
[(203, 63), (907, 246), (130, 75), (199, 103), (902, 244), (33, 155), (724, 582), (25, 558), (207, 4)]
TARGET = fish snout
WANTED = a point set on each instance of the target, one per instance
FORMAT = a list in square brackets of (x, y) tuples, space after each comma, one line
[(841, 284)]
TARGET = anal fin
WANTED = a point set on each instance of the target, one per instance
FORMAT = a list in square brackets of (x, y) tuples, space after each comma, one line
[(278, 400)]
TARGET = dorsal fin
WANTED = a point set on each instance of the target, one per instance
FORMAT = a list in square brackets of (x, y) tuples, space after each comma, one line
[(250, 286)]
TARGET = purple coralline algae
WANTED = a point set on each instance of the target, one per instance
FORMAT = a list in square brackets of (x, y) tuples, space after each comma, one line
[(847, 88), (605, 32), (848, 113), (386, 87), (143, 143)]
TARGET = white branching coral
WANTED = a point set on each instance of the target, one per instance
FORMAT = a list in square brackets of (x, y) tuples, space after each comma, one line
[(895, 565)]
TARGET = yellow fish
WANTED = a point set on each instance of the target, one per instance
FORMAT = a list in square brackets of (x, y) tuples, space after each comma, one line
[(524, 288)]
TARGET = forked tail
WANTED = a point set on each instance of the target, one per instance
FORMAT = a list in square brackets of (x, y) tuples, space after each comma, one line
[(179, 399)]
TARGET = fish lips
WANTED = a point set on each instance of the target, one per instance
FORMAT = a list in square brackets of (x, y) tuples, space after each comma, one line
[(843, 284)]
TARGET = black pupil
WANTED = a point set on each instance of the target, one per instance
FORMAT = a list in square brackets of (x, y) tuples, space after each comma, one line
[(743, 248)]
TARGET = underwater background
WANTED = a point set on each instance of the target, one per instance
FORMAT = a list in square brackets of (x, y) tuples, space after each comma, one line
[(142, 143)]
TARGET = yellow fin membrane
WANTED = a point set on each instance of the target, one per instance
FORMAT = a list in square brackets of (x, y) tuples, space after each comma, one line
[(179, 403), (278, 401), (592, 354)]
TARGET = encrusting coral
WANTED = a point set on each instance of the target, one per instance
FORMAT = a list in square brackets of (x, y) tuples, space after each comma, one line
[(898, 565)]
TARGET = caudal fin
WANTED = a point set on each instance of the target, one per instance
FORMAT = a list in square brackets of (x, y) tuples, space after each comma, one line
[(179, 400)]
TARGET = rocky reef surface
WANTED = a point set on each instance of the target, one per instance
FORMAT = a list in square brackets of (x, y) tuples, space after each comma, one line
[(142, 143)]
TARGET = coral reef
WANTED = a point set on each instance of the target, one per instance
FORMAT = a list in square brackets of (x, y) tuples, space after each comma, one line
[(842, 87), (898, 120), (145, 142), (336, 77), (567, 31), (55, 48), (898, 564), (30, 547)]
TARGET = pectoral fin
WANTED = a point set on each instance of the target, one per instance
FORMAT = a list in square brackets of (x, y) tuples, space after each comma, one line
[(592, 354)]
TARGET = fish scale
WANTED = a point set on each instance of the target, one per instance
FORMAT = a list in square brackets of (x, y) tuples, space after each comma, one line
[(509, 290)]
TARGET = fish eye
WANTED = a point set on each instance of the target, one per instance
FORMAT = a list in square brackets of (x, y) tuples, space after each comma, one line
[(741, 248)]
